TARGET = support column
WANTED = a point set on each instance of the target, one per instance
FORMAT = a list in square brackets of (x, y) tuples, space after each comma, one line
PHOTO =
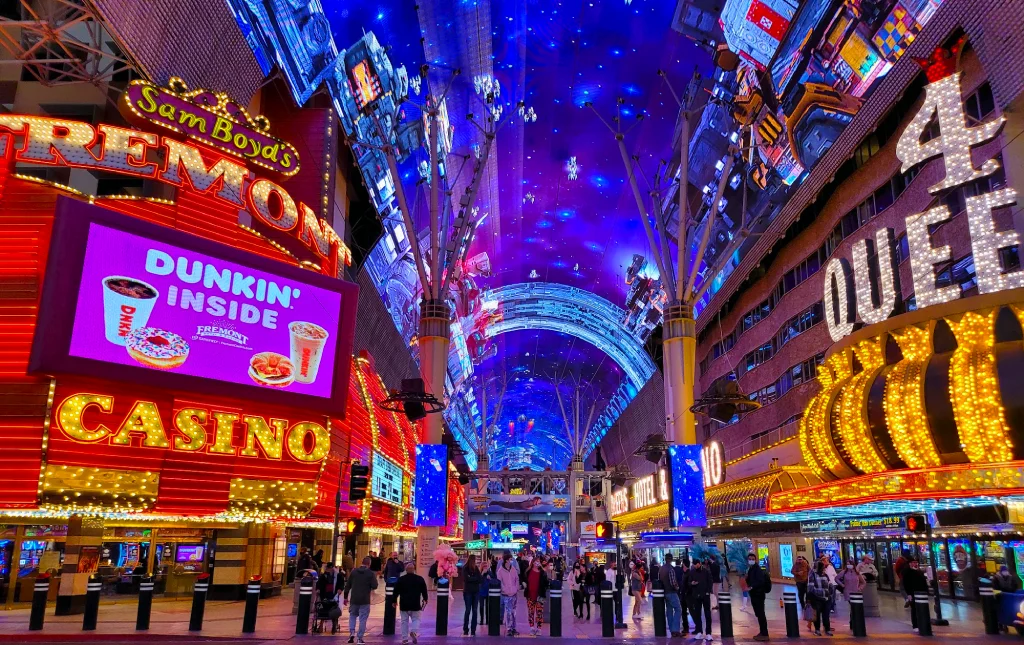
[(230, 573), (573, 532), (434, 339), (85, 538), (680, 373)]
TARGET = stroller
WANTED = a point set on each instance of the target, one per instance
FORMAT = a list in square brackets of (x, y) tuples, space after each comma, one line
[(323, 609)]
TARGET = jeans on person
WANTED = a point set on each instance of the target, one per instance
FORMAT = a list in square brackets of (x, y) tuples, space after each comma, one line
[(673, 610), (535, 612), (757, 603), (470, 601), (362, 612), (410, 623), (508, 611), (823, 615), (696, 606)]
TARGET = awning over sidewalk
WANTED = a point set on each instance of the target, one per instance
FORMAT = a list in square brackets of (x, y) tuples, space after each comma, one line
[(750, 495)]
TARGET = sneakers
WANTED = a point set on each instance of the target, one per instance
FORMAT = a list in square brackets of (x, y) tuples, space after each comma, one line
[(817, 632), (761, 638), (362, 642), (699, 636), (351, 639), (708, 638), (414, 637), (830, 633), (405, 642)]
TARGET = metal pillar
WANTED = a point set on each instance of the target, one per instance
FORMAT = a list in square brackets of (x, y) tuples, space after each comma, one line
[(680, 334), (573, 533)]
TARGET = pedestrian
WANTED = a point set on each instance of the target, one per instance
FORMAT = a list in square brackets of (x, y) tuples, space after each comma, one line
[(801, 569), (682, 571), (851, 582), (586, 580), (574, 586), (821, 590), (375, 564), (411, 595), (1005, 582), (394, 568), (673, 608), (698, 583), (360, 584), (471, 579), (536, 591), (488, 579), (636, 585), (327, 589), (508, 577), (758, 586), (914, 582), (716, 578), (305, 562), (866, 568)]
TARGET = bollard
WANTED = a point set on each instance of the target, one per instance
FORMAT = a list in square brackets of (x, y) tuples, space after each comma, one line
[(494, 611), (195, 622), (443, 589), (607, 610), (145, 604), (792, 617), (305, 602), (389, 607), (252, 604), (42, 589), (725, 614), (857, 623), (617, 597), (92, 603), (989, 608), (658, 604), (924, 617), (555, 598)]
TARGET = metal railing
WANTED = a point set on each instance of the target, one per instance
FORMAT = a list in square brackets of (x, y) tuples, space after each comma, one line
[(753, 445)]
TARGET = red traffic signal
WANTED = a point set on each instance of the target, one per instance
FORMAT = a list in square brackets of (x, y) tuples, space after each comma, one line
[(604, 530), (917, 523)]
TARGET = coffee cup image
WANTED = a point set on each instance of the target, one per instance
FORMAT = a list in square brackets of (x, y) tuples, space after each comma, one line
[(127, 305), (307, 342)]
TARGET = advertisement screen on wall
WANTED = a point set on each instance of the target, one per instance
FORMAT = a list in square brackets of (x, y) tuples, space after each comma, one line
[(130, 300), (786, 560), (386, 480), (523, 503), (431, 485), (687, 486)]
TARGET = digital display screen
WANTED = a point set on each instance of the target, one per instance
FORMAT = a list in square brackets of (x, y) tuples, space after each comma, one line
[(481, 527), (156, 306), (687, 486), (786, 560), (386, 480), (431, 485), (520, 529), (190, 553), (293, 550)]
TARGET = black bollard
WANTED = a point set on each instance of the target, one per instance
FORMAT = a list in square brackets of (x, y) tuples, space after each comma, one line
[(792, 617), (389, 607), (252, 604), (195, 622), (305, 602), (494, 611), (92, 603), (989, 608), (924, 617), (555, 598), (145, 604), (658, 604), (42, 590), (443, 589), (725, 614), (617, 597), (857, 624), (607, 610)]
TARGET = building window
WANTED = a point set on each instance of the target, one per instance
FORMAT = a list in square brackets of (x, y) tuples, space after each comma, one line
[(981, 103), (902, 248), (867, 149), (760, 355)]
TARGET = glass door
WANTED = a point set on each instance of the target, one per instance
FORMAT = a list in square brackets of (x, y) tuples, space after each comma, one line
[(884, 566), (941, 553)]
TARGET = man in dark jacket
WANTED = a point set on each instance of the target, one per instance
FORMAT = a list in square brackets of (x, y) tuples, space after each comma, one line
[(411, 592), (682, 569), (757, 583), (698, 591), (914, 581), (716, 578), (358, 587), (394, 567)]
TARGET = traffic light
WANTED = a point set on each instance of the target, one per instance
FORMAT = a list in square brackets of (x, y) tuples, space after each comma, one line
[(357, 482), (917, 523), (604, 530), (351, 527)]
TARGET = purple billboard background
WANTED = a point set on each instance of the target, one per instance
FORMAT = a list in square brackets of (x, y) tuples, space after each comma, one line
[(215, 346)]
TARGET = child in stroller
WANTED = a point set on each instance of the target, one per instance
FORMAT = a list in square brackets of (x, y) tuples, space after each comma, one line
[(327, 606)]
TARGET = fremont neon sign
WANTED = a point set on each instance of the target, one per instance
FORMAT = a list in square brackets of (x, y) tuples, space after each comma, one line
[(109, 148), (850, 294)]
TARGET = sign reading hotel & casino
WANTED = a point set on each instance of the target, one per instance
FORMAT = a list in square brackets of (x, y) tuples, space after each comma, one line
[(852, 294)]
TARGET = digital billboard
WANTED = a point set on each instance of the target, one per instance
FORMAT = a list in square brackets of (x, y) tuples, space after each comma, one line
[(687, 486), (130, 300), (431, 485), (386, 480)]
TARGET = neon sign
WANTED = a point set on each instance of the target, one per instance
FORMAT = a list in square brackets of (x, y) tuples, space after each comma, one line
[(712, 463), (108, 148), (646, 492), (849, 294), (195, 429)]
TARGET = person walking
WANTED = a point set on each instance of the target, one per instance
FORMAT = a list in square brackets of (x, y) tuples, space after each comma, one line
[(682, 571), (508, 578), (360, 584), (574, 586), (914, 582), (831, 572), (411, 596), (488, 579), (591, 589), (801, 569), (471, 579), (669, 582), (318, 560), (394, 568), (821, 591), (716, 579), (536, 591), (851, 581), (327, 589), (305, 562), (636, 585), (758, 586), (698, 583)]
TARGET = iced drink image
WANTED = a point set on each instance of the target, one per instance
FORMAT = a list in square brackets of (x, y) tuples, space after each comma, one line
[(307, 345), (127, 304)]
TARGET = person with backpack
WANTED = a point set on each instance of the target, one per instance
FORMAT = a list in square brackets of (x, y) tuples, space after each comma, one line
[(758, 585), (820, 592)]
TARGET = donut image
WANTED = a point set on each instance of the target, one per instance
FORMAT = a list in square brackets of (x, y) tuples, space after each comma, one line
[(157, 348), (271, 369)]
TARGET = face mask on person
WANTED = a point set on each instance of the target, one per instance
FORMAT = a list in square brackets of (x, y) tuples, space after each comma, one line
[(751, 562), (849, 567)]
